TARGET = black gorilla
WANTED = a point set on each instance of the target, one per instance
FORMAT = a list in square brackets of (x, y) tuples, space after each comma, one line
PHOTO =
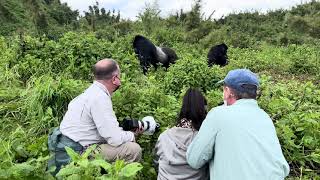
[(148, 53), (218, 55)]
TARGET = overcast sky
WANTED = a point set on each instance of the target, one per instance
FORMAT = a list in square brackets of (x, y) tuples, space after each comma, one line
[(131, 8)]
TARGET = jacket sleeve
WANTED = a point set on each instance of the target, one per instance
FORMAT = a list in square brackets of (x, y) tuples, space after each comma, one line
[(201, 150), (157, 153), (107, 124)]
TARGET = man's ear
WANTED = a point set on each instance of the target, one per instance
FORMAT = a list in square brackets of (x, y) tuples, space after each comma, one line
[(228, 91), (114, 79), (226, 88)]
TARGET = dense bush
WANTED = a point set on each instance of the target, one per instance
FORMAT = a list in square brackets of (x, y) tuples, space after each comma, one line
[(45, 77), (40, 75)]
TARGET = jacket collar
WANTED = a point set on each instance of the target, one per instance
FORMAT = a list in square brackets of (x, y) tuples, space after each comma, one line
[(102, 87), (246, 102)]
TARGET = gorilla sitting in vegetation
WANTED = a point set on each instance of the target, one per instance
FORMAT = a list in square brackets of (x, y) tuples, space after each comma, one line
[(148, 53), (218, 55)]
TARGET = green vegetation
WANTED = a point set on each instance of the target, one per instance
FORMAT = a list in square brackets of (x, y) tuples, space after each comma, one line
[(47, 51), (82, 167)]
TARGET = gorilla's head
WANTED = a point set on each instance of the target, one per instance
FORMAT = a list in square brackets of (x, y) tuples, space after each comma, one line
[(148, 53), (171, 55), (218, 55)]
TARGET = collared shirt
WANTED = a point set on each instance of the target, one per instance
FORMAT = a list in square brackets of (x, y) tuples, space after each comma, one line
[(90, 119), (239, 142)]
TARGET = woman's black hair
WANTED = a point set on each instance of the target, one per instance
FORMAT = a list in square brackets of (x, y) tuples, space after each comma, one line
[(193, 108)]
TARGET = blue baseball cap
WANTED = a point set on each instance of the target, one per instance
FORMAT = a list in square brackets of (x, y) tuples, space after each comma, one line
[(239, 77)]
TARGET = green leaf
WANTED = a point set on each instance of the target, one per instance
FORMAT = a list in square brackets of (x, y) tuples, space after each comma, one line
[(119, 164), (22, 169), (105, 177), (131, 169), (88, 151), (83, 163), (101, 163), (69, 170), (74, 156), (21, 151), (74, 177), (315, 157)]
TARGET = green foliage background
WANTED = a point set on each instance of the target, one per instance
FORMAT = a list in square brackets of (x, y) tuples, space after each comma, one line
[(47, 51)]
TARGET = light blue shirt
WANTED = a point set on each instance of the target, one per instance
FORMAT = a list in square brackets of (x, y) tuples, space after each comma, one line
[(240, 143)]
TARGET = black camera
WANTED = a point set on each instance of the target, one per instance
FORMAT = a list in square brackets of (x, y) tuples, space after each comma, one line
[(147, 124)]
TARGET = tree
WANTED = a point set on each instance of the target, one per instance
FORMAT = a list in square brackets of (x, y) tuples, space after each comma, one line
[(42, 24), (150, 16), (97, 17), (193, 18)]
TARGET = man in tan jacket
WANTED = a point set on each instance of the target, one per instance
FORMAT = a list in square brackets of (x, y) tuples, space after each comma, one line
[(90, 118)]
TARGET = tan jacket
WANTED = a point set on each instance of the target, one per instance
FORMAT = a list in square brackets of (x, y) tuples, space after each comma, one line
[(90, 119)]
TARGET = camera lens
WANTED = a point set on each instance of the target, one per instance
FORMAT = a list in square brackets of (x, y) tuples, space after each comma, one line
[(130, 124)]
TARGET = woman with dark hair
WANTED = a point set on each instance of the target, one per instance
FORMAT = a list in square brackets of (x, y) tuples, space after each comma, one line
[(172, 144)]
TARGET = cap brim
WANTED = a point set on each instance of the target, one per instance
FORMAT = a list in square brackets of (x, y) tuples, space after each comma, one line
[(219, 83)]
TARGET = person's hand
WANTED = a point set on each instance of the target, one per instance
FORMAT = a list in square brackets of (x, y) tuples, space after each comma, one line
[(137, 132)]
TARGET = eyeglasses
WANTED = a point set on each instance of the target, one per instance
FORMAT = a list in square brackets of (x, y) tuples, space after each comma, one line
[(117, 76)]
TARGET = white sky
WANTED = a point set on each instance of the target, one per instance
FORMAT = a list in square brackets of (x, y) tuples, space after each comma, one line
[(130, 8)]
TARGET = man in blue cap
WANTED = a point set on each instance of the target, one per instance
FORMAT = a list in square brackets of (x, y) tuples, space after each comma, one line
[(239, 140)]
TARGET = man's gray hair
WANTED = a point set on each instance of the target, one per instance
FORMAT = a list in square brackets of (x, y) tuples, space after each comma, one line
[(248, 92)]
